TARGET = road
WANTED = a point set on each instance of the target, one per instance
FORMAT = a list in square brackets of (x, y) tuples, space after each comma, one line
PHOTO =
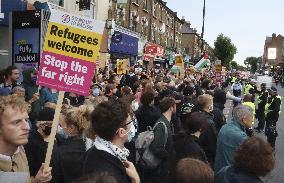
[(277, 175)]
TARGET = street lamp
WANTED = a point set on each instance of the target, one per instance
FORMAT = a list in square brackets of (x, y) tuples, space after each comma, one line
[(202, 34)]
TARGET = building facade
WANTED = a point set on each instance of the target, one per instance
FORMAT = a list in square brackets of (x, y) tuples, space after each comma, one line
[(274, 50), (153, 23)]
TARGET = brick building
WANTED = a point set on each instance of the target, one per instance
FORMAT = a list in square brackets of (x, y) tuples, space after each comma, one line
[(149, 19), (274, 42)]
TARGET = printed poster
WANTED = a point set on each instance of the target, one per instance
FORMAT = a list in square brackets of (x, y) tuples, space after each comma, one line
[(70, 52)]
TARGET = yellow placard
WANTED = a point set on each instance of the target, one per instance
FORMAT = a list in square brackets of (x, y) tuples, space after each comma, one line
[(72, 42), (179, 61), (121, 66)]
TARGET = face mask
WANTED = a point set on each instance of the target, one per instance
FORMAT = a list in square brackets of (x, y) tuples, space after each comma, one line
[(34, 79), (211, 108), (47, 130), (61, 133), (135, 106), (131, 133), (96, 92)]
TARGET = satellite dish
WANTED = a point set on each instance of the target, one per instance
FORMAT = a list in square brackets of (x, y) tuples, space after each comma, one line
[(163, 28)]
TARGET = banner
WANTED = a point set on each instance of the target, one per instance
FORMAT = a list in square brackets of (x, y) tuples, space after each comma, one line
[(70, 52)]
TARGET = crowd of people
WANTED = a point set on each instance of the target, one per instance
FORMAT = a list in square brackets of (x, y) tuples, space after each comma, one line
[(142, 126)]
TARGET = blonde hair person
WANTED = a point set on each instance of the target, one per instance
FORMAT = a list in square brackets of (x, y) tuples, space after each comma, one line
[(72, 151)]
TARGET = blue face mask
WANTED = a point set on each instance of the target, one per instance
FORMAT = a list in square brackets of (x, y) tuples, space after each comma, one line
[(61, 133), (96, 92), (34, 79)]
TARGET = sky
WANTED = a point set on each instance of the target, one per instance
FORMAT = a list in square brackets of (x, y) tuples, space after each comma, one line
[(246, 22)]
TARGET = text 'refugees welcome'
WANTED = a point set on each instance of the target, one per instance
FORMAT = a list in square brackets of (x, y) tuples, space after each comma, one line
[(76, 38)]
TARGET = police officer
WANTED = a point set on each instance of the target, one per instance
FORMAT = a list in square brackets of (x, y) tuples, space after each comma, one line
[(250, 88), (261, 101), (272, 111)]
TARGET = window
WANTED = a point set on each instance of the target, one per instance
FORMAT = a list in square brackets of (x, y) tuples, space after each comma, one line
[(144, 23), (90, 13), (145, 4), (57, 2), (161, 13), (154, 10), (134, 18)]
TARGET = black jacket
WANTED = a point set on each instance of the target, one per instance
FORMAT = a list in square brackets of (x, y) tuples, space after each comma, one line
[(232, 175), (208, 138), (219, 118), (274, 108), (187, 145), (146, 116), (67, 163), (263, 95), (35, 152), (98, 161)]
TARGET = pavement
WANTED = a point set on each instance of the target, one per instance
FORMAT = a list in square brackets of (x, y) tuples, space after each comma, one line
[(277, 175)]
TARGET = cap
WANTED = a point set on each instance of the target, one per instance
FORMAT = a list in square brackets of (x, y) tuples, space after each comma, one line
[(273, 89), (47, 114)]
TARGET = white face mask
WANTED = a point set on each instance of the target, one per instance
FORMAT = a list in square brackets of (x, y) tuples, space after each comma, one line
[(131, 133), (134, 105)]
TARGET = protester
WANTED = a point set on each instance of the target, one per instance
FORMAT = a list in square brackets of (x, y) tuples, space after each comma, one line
[(232, 135), (192, 171), (71, 152), (9, 78), (147, 113), (219, 100), (14, 134), (187, 143), (162, 145), (112, 123), (37, 145), (110, 92), (253, 159), (208, 138), (188, 103), (29, 82)]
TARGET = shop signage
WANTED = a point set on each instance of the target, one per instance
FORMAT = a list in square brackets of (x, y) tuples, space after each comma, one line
[(152, 50), (124, 44)]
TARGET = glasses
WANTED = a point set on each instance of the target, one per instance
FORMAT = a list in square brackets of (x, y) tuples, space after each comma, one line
[(131, 121)]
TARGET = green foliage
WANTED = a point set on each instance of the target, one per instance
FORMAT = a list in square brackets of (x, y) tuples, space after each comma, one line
[(251, 63), (224, 50), (236, 66)]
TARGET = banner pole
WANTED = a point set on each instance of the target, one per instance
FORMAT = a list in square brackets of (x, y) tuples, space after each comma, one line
[(53, 130)]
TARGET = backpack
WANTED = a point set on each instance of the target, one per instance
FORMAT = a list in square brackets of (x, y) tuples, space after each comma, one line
[(144, 156)]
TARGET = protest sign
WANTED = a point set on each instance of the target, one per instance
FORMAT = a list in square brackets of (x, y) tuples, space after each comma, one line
[(70, 52), (179, 60), (68, 59), (121, 66)]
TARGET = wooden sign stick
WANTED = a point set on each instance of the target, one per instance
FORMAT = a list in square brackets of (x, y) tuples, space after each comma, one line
[(53, 130)]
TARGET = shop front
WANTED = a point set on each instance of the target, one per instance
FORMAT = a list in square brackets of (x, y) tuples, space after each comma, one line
[(153, 55), (123, 47)]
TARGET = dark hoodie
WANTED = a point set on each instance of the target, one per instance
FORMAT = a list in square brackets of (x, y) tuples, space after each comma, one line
[(218, 107), (28, 84)]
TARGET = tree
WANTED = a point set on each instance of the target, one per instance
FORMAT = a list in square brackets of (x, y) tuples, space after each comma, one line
[(236, 66), (224, 50), (251, 63)]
